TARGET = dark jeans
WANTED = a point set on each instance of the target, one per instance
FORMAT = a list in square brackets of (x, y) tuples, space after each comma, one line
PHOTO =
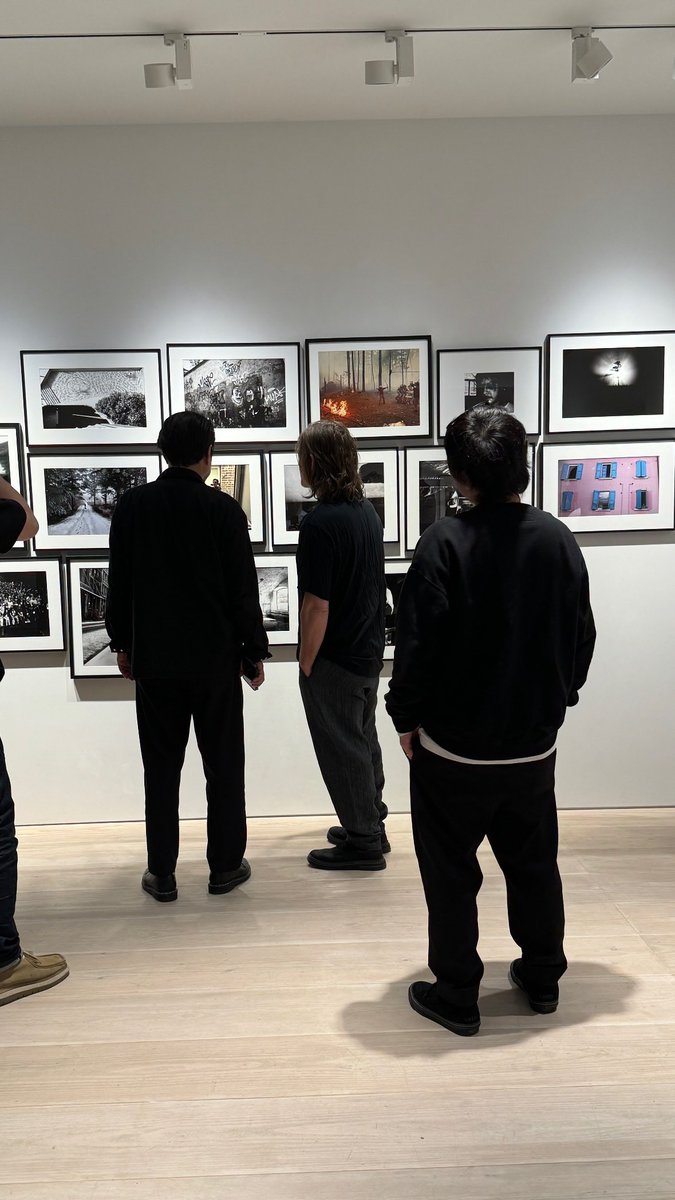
[(9, 937), (340, 710), (454, 807), (164, 708)]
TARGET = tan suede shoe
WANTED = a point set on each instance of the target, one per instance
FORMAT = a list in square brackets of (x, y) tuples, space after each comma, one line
[(33, 973)]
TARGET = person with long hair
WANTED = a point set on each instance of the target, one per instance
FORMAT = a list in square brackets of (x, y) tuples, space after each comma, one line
[(341, 643)]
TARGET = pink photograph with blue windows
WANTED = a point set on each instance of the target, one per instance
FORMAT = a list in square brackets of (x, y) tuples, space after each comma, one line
[(618, 485)]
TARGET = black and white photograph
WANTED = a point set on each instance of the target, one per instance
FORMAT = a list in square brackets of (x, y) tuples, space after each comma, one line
[(394, 578), (74, 498), (251, 393), (432, 493), (241, 477), (31, 613), (621, 486), (90, 653), (376, 387), (508, 379), (291, 501), (278, 591), (92, 397), (11, 456), (604, 382)]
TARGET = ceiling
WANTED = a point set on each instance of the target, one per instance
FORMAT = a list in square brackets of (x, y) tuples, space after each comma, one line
[(99, 81)]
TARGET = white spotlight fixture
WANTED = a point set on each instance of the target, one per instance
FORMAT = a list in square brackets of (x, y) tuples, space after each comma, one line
[(164, 74), (589, 54), (401, 69)]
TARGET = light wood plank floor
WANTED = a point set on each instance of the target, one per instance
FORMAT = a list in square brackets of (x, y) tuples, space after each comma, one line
[(261, 1044)]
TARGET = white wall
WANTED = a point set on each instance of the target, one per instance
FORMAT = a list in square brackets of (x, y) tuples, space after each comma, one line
[(484, 233)]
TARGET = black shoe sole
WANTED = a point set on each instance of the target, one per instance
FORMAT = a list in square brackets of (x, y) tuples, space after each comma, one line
[(460, 1028), (545, 1007), (386, 848), (162, 897), (221, 889), (353, 865)]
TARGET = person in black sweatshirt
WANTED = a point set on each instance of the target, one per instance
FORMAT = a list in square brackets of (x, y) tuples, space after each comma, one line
[(494, 640), (183, 615)]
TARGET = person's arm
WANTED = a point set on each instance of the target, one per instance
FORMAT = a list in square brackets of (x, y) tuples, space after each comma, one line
[(422, 627), (313, 624), (585, 641), (30, 526), (119, 605), (243, 596)]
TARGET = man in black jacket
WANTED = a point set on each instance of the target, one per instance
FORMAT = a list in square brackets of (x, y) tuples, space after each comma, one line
[(495, 637), (183, 613)]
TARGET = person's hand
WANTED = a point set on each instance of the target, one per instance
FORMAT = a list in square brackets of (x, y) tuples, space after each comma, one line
[(124, 665), (259, 677), (306, 667), (407, 741)]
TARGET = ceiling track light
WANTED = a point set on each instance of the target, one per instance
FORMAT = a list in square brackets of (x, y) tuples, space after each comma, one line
[(165, 74), (399, 70), (589, 54)]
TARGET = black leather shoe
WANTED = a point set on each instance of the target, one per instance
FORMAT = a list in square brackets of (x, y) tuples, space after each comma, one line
[(337, 836), (345, 858), (160, 887), (221, 882), (540, 1001), (424, 998)]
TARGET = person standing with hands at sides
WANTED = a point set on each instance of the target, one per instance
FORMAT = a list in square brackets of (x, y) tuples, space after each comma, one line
[(495, 637), (21, 974), (184, 617), (341, 583)]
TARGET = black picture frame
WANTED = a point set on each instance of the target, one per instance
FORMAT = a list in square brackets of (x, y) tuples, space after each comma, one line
[(522, 363), (50, 564)]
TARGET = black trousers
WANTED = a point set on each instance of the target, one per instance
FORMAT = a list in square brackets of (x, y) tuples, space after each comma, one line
[(454, 807), (164, 709)]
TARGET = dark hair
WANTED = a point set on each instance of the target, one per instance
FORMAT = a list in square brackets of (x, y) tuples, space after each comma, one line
[(186, 438), (488, 448), (329, 461)]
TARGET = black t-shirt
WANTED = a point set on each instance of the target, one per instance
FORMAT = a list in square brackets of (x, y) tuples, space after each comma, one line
[(341, 560), (12, 521)]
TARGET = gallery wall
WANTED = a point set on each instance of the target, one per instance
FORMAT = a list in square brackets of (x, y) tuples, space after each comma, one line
[(481, 233)]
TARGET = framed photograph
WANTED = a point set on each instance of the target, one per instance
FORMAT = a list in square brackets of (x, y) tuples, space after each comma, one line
[(91, 397), (241, 476), (378, 387), (31, 605), (291, 502), (431, 491), (598, 382), (11, 456), (90, 653), (394, 577), (619, 485), (278, 590), (507, 378), (251, 392), (74, 497)]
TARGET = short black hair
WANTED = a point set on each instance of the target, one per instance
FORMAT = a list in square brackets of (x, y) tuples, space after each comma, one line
[(186, 438), (488, 448)]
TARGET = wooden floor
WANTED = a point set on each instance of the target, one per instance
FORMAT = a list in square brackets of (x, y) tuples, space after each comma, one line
[(260, 1045)]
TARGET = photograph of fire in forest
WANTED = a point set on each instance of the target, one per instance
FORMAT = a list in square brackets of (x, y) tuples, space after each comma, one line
[(376, 388)]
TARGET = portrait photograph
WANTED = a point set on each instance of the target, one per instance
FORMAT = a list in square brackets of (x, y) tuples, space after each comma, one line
[(92, 397), (394, 578), (278, 592), (251, 393), (291, 501), (31, 608), (11, 456), (604, 382), (74, 498), (241, 477), (375, 388), (90, 653), (617, 485), (508, 379)]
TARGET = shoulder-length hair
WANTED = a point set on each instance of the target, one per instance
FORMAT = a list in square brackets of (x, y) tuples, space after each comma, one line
[(329, 462)]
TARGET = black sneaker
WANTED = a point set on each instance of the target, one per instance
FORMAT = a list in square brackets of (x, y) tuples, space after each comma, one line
[(160, 887), (424, 998), (221, 882), (345, 858), (540, 1001), (337, 836)]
